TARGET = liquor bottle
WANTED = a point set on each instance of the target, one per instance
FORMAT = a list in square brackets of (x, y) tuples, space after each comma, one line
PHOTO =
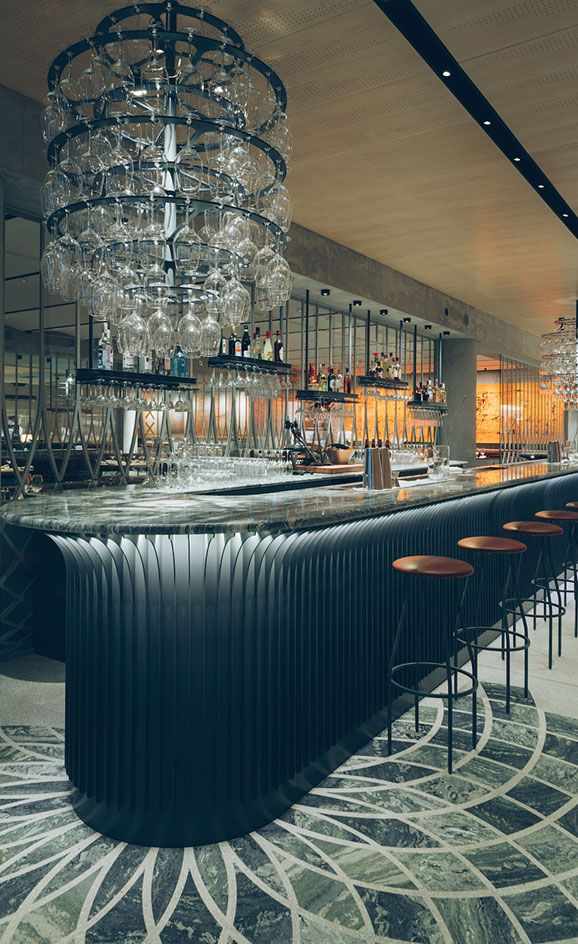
[(331, 380), (100, 357), (376, 365), (246, 342), (389, 367), (397, 370), (127, 361), (232, 343), (279, 349), (425, 392), (339, 385), (322, 378), (257, 345), (444, 393), (179, 363), (109, 353), (168, 365), (267, 347), (347, 381), (145, 363), (312, 378), (224, 345)]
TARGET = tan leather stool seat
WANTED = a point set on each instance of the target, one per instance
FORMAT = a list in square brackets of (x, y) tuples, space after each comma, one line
[(533, 527), (563, 515), (428, 566), (488, 543), (572, 504)]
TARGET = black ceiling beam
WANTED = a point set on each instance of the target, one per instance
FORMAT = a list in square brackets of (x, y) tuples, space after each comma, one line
[(412, 25)]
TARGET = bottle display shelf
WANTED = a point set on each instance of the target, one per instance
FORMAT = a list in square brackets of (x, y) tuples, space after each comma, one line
[(428, 405), (326, 396), (152, 381), (232, 362), (382, 383)]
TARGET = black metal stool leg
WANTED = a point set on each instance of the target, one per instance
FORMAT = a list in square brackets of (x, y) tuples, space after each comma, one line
[(472, 654), (552, 570), (508, 671), (394, 648), (536, 588), (516, 589), (450, 714)]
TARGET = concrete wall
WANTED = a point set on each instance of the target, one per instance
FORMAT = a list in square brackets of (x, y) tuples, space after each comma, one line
[(460, 374), (336, 265)]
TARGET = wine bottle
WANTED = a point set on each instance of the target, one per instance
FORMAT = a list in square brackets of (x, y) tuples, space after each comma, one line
[(267, 347), (278, 349), (246, 342)]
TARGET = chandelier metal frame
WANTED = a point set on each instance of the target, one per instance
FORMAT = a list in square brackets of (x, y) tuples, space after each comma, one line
[(213, 122)]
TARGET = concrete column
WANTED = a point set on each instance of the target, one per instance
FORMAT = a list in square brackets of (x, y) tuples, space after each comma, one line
[(459, 373)]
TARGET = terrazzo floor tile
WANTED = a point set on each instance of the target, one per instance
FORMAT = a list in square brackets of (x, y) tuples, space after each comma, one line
[(385, 851), (505, 815), (538, 796), (546, 915), (478, 921), (504, 866)]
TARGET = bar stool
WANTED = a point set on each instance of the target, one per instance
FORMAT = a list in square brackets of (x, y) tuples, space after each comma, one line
[(544, 575), (429, 568), (510, 639), (571, 553)]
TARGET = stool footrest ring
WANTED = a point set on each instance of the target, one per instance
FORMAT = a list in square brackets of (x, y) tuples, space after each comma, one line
[(525, 642), (454, 672)]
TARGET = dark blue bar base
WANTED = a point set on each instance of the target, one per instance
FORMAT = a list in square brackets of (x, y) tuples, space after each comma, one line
[(213, 679)]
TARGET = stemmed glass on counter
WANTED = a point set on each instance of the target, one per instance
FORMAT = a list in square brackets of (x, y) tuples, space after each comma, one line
[(205, 465)]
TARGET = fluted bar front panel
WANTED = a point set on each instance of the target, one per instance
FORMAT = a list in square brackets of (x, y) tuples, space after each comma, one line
[(212, 680)]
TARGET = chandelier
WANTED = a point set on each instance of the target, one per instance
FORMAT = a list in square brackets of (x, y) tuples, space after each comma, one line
[(559, 361), (168, 144)]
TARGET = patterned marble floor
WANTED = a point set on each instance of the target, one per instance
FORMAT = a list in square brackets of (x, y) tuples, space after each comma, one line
[(386, 849)]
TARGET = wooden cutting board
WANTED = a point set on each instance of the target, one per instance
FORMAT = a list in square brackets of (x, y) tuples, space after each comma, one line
[(351, 469)]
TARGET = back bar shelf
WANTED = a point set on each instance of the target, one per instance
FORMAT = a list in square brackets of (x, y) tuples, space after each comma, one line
[(113, 378), (232, 362)]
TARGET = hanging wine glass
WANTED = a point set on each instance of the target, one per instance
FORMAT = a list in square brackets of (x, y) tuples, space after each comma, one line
[(210, 336), (213, 289), (189, 334), (235, 303), (187, 248)]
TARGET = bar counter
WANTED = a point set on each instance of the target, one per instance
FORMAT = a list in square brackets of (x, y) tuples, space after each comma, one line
[(140, 510), (226, 652)]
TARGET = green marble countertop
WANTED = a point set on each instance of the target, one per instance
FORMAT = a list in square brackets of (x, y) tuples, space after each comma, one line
[(140, 510)]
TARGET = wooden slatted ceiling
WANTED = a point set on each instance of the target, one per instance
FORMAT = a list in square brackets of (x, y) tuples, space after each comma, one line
[(386, 160)]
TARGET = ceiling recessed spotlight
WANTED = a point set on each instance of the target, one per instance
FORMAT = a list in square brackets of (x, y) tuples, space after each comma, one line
[(407, 320), (357, 303), (540, 186), (565, 215), (445, 333), (326, 291), (383, 311), (517, 159), (446, 74), (427, 327), (486, 122)]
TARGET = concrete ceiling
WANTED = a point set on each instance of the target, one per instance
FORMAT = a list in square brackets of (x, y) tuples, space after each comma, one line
[(386, 161)]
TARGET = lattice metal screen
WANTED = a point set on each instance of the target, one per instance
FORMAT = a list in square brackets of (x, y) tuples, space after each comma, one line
[(530, 417)]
